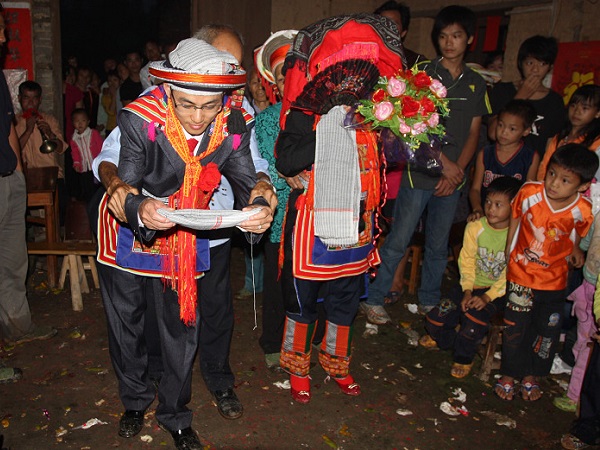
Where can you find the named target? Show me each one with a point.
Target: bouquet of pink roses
(410, 105)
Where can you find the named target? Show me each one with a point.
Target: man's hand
(267, 191)
(293, 182)
(444, 188)
(150, 216)
(115, 187)
(45, 129)
(259, 222)
(30, 124)
(118, 191)
(452, 171)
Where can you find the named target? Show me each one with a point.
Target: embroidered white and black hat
(199, 68)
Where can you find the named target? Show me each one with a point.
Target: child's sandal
(507, 388)
(527, 388)
(570, 442)
(393, 297)
(428, 342)
(565, 404)
(460, 370)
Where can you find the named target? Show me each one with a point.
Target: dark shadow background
(93, 30)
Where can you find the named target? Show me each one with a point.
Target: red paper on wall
(19, 46)
(577, 64)
(492, 32)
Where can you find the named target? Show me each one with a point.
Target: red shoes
(300, 388)
(348, 386)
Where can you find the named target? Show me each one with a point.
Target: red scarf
(198, 185)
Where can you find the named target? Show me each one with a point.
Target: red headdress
(337, 40)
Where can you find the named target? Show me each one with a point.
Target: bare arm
(577, 257)
(453, 173)
(29, 126)
(466, 155)
(492, 121)
(475, 191)
(512, 229)
(535, 163)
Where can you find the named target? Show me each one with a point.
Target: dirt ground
(69, 380)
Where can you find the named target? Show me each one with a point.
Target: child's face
(497, 64)
(535, 67)
(562, 185)
(80, 122)
(497, 209)
(123, 72)
(582, 114)
(510, 129)
(453, 41)
(114, 81)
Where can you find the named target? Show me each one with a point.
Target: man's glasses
(189, 108)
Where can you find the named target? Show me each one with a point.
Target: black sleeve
(500, 95)
(132, 164)
(295, 147)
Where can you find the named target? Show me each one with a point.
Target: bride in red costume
(329, 230)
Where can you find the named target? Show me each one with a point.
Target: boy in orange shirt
(548, 220)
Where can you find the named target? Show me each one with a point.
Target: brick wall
(45, 17)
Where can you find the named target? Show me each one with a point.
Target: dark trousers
(587, 426)
(533, 320)
(340, 299)
(442, 321)
(150, 321)
(126, 300)
(273, 312)
(215, 302)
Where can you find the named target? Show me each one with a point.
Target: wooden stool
(415, 257)
(494, 339)
(72, 263)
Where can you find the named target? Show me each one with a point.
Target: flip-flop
(10, 374)
(508, 388)
(393, 297)
(465, 368)
(428, 342)
(571, 442)
(527, 389)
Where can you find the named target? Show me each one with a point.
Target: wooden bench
(73, 251)
(494, 339)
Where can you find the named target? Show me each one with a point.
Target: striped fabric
(304, 268)
(296, 348)
(108, 232)
(336, 349)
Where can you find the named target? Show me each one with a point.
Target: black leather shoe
(229, 404)
(131, 423)
(186, 439)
